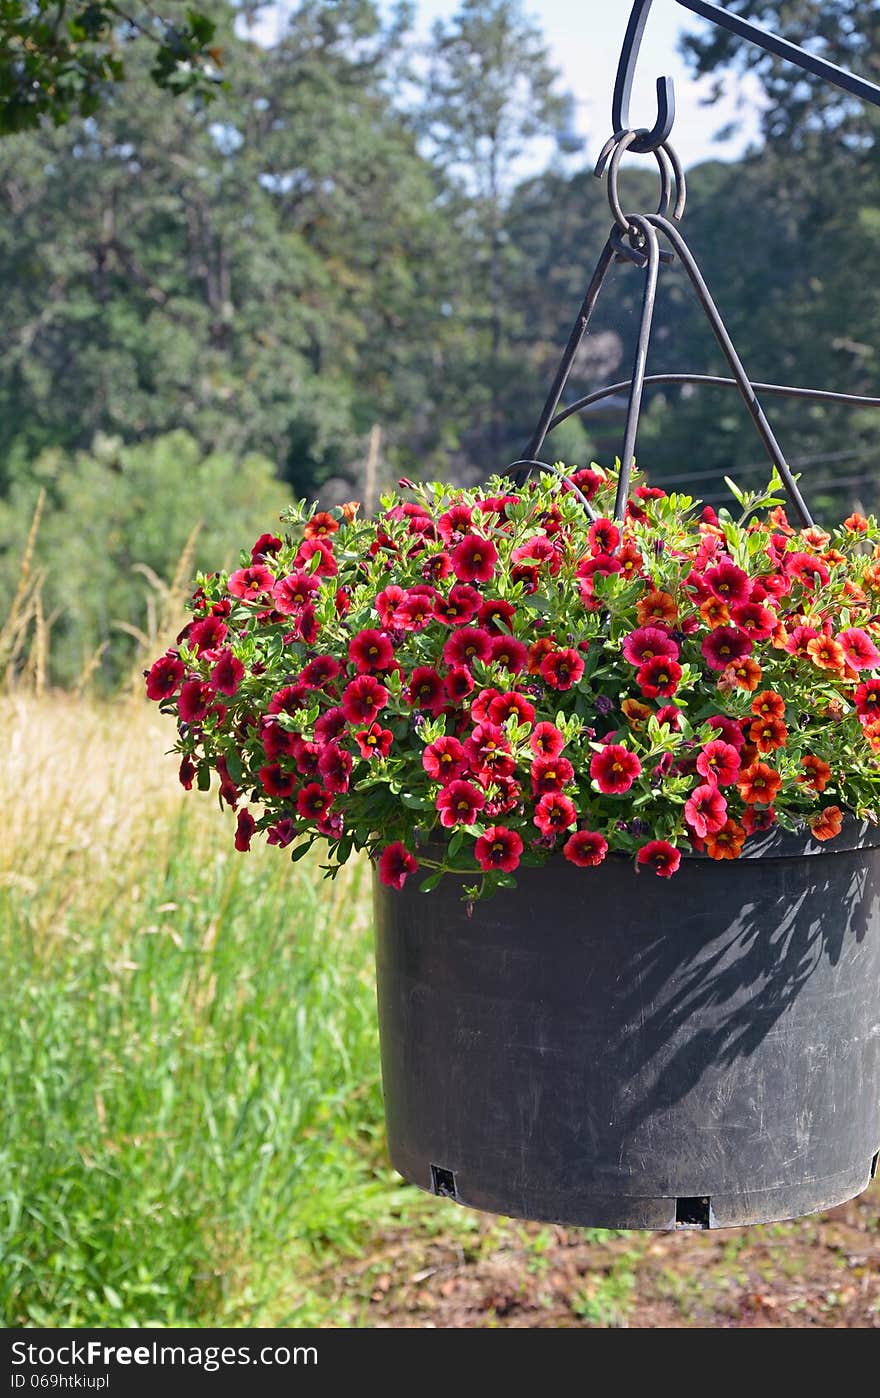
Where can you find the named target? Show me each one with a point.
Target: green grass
(188, 1052)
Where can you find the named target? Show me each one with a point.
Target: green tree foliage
(57, 56)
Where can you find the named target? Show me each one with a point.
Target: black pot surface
(600, 1047)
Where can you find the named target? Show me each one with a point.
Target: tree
(58, 56)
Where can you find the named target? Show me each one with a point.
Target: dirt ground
(821, 1272)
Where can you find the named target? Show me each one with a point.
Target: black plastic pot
(605, 1048)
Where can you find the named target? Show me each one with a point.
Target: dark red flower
(467, 644)
(496, 611)
(308, 549)
(585, 848)
(374, 741)
(282, 833)
(660, 856)
(554, 814)
(370, 651)
(305, 755)
(867, 699)
(510, 654)
(335, 766)
(459, 607)
(474, 559)
(266, 546)
(275, 739)
(251, 582)
(562, 669)
(455, 524)
(458, 684)
(436, 567)
(244, 829)
(729, 583)
(445, 760)
(729, 729)
(313, 802)
(499, 848)
(292, 593)
(488, 751)
(603, 536)
(719, 763)
(458, 803)
(164, 675)
(705, 811)
(426, 690)
(757, 621)
(659, 677)
(725, 646)
(671, 715)
(195, 699)
(320, 671)
(504, 705)
(330, 725)
(755, 821)
(227, 674)
(275, 781)
(187, 772)
(307, 627)
(550, 774)
(363, 699)
(587, 481)
(614, 769)
(546, 740)
(396, 864)
(648, 643)
(206, 634)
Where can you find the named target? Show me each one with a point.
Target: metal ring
(671, 172)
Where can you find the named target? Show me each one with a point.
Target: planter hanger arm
(649, 140)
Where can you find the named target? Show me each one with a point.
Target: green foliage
(58, 56)
(115, 511)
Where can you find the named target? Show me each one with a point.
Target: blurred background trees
(228, 270)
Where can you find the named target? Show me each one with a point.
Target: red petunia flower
(363, 699)
(585, 848)
(727, 842)
(396, 864)
(196, 697)
(309, 549)
(768, 734)
(251, 582)
(757, 621)
(671, 715)
(545, 740)
(858, 649)
(426, 690)
(614, 769)
(335, 766)
(725, 646)
(437, 567)
(562, 669)
(705, 811)
(374, 741)
(306, 756)
(244, 829)
(164, 675)
(307, 627)
(458, 684)
(827, 824)
(729, 583)
(474, 559)
(604, 536)
(292, 593)
(660, 856)
(536, 551)
(320, 671)
(330, 725)
(416, 610)
(504, 705)
(659, 677)
(798, 640)
(313, 802)
(554, 813)
(719, 763)
(445, 760)
(467, 644)
(817, 774)
(458, 803)
(648, 643)
(387, 601)
(550, 774)
(510, 654)
(603, 566)
(496, 611)
(455, 523)
(499, 848)
(481, 705)
(759, 784)
(186, 773)
(227, 673)
(459, 607)
(811, 571)
(488, 751)
(370, 651)
(275, 781)
(756, 820)
(867, 699)
(266, 546)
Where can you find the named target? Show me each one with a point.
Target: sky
(584, 38)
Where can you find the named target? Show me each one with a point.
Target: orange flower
(758, 784)
(350, 509)
(714, 612)
(629, 558)
(320, 525)
(856, 524)
(635, 712)
(816, 538)
(827, 654)
(779, 639)
(768, 704)
(656, 606)
(538, 651)
(768, 734)
(826, 825)
(871, 580)
(817, 773)
(727, 842)
(779, 520)
(746, 674)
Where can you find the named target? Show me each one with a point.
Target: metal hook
(646, 140)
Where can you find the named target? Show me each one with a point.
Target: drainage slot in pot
(692, 1213)
(874, 1165)
(443, 1182)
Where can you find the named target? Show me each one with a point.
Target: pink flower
(859, 649)
(251, 582)
(396, 864)
(705, 811)
(719, 763)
